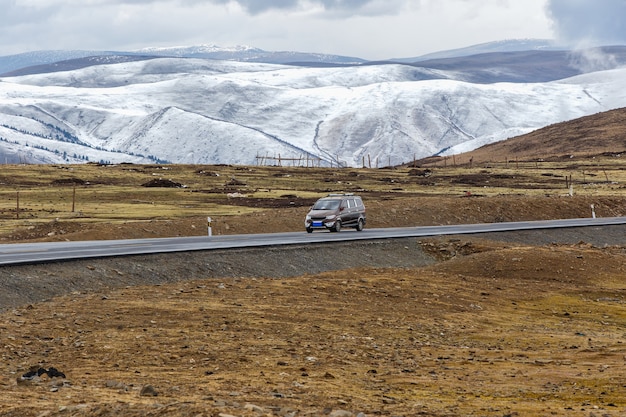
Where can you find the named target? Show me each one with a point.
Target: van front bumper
(319, 224)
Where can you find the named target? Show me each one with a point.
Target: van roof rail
(339, 194)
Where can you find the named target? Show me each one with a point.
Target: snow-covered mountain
(507, 45)
(47, 61)
(249, 54)
(37, 61)
(205, 112)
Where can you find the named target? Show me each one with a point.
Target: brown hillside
(590, 135)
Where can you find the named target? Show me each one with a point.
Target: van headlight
(330, 217)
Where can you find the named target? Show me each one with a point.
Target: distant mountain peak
(197, 49)
(505, 45)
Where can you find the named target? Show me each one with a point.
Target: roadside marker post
(210, 231)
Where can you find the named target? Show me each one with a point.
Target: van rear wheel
(359, 225)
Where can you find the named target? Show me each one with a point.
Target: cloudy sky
(369, 29)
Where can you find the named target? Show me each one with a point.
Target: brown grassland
(487, 328)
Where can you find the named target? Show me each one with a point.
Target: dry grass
(93, 194)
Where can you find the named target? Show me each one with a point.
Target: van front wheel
(336, 227)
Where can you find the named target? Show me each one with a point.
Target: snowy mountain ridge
(247, 53)
(183, 51)
(11, 63)
(207, 112)
(506, 45)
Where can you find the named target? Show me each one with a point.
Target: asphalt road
(29, 253)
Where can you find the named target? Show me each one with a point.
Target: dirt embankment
(21, 285)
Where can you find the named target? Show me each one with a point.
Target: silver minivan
(336, 211)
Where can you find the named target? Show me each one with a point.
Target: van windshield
(326, 205)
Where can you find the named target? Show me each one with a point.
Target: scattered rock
(55, 373)
(253, 408)
(116, 385)
(341, 413)
(148, 391)
(37, 372)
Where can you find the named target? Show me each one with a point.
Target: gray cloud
(260, 6)
(15, 14)
(372, 29)
(589, 21)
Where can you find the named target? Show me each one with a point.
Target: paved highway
(25, 253)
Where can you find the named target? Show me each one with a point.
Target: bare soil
(515, 324)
